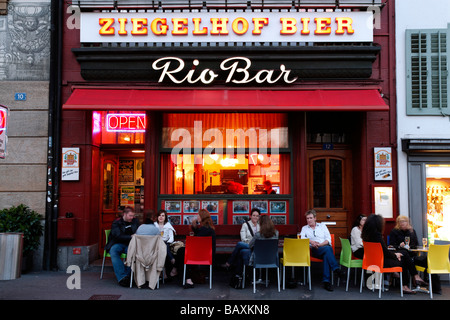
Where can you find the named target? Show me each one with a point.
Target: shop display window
(438, 202)
(224, 153)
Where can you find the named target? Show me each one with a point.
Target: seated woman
(202, 226)
(167, 232)
(397, 237)
(248, 230)
(267, 231)
(356, 241)
(373, 232)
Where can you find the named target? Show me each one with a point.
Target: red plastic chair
(320, 260)
(198, 251)
(373, 260)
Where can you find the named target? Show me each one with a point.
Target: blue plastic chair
(265, 256)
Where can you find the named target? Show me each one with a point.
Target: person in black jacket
(121, 231)
(373, 232)
(202, 226)
(397, 239)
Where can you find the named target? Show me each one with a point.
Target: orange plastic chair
(373, 260)
(320, 260)
(198, 251)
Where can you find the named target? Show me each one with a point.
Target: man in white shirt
(320, 243)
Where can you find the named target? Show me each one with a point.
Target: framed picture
(239, 219)
(172, 206)
(211, 206)
(253, 182)
(174, 219)
(277, 206)
(191, 206)
(278, 219)
(383, 200)
(255, 170)
(241, 207)
(215, 218)
(126, 171)
(187, 218)
(262, 205)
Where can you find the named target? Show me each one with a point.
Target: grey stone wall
(24, 68)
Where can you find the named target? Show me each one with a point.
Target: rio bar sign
(178, 27)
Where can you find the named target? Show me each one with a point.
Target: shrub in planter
(23, 219)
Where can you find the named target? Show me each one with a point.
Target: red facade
(371, 129)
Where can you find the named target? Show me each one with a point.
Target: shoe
(339, 272)
(125, 281)
(409, 291)
(327, 286)
(188, 286)
(421, 283)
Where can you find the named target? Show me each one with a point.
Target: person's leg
(329, 261)
(243, 258)
(235, 254)
(120, 270)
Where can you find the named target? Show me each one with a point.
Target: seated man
(320, 243)
(121, 231)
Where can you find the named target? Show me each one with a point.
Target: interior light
(138, 151)
(227, 162)
(214, 156)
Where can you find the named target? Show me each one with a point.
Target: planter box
(11, 245)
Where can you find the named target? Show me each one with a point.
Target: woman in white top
(356, 241)
(167, 231)
(248, 230)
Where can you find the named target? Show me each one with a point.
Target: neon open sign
(126, 122)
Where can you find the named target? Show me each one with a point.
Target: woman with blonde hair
(397, 239)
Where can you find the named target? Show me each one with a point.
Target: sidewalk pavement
(55, 285)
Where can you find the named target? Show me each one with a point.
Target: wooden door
(108, 195)
(330, 189)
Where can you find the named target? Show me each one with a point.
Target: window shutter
(427, 72)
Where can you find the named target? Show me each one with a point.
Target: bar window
(224, 154)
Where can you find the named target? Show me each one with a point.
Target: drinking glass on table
(407, 242)
(424, 242)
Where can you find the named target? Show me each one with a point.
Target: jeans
(243, 259)
(120, 269)
(329, 261)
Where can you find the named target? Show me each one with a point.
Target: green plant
(23, 219)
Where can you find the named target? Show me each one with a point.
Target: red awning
(226, 100)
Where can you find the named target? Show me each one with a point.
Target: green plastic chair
(123, 256)
(347, 261)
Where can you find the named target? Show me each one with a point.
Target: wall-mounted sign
(205, 26)
(237, 71)
(70, 169)
(3, 136)
(126, 122)
(20, 96)
(383, 199)
(383, 163)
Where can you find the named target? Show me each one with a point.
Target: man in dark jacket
(121, 231)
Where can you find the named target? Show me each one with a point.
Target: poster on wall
(70, 170)
(127, 197)
(3, 137)
(383, 201)
(383, 164)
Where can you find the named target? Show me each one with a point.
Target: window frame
(425, 62)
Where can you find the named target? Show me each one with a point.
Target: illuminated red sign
(2, 119)
(126, 122)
